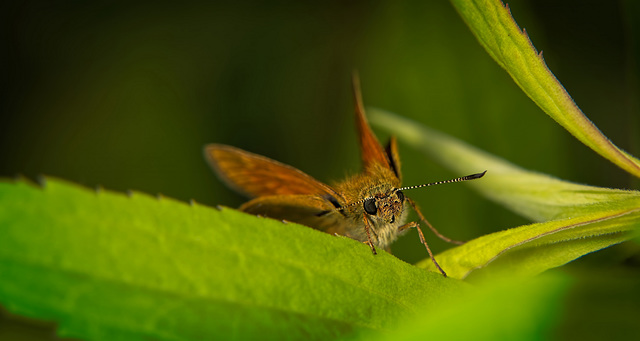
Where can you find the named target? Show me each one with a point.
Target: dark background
(124, 95)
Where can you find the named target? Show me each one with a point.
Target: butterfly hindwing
(310, 210)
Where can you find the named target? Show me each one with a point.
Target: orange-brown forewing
(257, 176)
(370, 148)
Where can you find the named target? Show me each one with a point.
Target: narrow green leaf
(534, 195)
(585, 218)
(109, 266)
(494, 27)
(531, 249)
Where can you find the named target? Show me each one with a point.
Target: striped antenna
(464, 178)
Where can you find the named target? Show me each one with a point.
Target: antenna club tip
(476, 176)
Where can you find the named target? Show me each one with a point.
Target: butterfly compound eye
(370, 206)
(400, 195)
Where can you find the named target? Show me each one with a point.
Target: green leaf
(494, 27)
(107, 266)
(503, 309)
(531, 249)
(585, 218)
(604, 303)
(536, 196)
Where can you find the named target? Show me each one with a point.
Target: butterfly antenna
(464, 178)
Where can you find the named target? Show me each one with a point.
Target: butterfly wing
(257, 176)
(310, 210)
(372, 151)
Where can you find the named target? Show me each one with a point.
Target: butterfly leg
(424, 242)
(366, 229)
(441, 236)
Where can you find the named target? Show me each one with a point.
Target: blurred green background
(124, 95)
